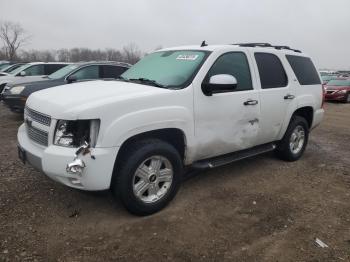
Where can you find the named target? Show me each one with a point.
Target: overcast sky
(320, 28)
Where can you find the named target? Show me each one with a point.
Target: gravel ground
(259, 209)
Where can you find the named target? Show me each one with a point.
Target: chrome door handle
(250, 102)
(289, 96)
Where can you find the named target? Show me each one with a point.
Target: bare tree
(13, 37)
(131, 53)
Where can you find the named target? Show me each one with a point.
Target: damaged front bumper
(87, 172)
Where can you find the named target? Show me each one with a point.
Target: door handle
(289, 96)
(250, 102)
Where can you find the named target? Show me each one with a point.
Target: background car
(327, 78)
(35, 70)
(11, 67)
(15, 96)
(338, 90)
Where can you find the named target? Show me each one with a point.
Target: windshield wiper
(148, 81)
(122, 78)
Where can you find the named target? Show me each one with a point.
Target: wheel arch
(174, 136)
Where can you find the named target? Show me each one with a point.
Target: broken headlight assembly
(76, 133)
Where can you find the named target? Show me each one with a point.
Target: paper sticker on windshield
(187, 57)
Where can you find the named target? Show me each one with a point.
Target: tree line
(14, 37)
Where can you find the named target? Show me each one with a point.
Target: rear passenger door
(277, 95)
(112, 71)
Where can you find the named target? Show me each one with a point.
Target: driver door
(227, 122)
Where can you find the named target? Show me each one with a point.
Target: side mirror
(219, 84)
(71, 79)
(23, 73)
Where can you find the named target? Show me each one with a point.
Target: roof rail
(278, 47)
(254, 44)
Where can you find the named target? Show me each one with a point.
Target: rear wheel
(148, 177)
(294, 142)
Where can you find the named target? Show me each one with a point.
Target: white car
(30, 72)
(199, 106)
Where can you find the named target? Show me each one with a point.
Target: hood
(7, 79)
(41, 84)
(27, 79)
(69, 101)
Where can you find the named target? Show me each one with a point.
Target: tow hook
(77, 166)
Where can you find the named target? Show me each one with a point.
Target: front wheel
(148, 177)
(293, 144)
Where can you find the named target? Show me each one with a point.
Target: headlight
(76, 133)
(17, 89)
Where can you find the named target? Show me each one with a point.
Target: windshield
(63, 72)
(166, 68)
(3, 66)
(19, 69)
(339, 82)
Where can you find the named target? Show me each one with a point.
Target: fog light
(76, 167)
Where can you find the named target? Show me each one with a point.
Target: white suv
(199, 106)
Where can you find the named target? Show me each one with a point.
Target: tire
(285, 147)
(347, 98)
(131, 180)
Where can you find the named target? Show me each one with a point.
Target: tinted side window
(52, 68)
(35, 70)
(89, 72)
(304, 70)
(235, 64)
(271, 71)
(110, 71)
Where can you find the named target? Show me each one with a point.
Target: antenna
(204, 44)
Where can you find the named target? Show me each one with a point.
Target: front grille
(37, 135)
(38, 117)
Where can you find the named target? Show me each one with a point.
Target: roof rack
(255, 44)
(278, 47)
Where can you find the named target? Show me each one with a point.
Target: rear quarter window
(304, 70)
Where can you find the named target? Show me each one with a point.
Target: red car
(338, 90)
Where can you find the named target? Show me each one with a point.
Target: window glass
(235, 64)
(339, 82)
(64, 71)
(51, 68)
(35, 70)
(111, 71)
(89, 72)
(169, 68)
(271, 71)
(20, 69)
(304, 70)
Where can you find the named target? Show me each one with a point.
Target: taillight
(323, 94)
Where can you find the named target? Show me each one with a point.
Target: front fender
(145, 120)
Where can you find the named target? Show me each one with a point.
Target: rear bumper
(15, 102)
(318, 117)
(53, 160)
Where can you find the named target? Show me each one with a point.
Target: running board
(232, 157)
